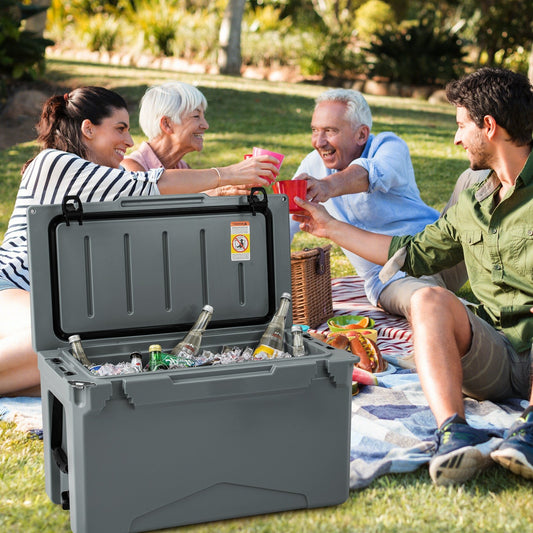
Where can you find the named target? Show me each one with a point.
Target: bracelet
(219, 176)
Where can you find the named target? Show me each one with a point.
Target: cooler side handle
(182, 386)
(56, 436)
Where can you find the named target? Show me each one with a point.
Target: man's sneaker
(516, 451)
(462, 451)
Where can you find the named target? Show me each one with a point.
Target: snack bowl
(345, 323)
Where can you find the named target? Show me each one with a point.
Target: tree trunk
(229, 52)
(530, 69)
(37, 23)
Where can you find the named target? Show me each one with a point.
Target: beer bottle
(298, 348)
(190, 345)
(272, 340)
(78, 351)
(156, 358)
(136, 361)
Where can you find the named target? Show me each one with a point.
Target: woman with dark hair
(84, 136)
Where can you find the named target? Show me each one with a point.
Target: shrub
(99, 32)
(158, 23)
(422, 54)
(21, 51)
(197, 35)
(518, 60)
(373, 16)
(334, 57)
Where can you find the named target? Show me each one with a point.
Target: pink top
(147, 158)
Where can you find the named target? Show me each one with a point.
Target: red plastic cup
(291, 188)
(263, 151)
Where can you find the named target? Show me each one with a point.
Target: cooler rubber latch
(256, 201)
(72, 209)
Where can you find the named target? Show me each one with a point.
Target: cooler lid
(148, 265)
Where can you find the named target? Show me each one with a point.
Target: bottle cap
(74, 338)
(154, 348)
(207, 308)
(286, 295)
(296, 327)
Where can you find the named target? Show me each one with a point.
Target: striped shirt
(51, 176)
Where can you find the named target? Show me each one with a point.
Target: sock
(454, 419)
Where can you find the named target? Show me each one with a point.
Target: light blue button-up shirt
(391, 206)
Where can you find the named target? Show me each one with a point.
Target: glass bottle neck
(202, 321)
(283, 308)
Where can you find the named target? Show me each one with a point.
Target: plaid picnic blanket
(392, 425)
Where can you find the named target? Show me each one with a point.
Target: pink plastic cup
(291, 188)
(263, 151)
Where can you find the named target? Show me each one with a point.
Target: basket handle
(320, 262)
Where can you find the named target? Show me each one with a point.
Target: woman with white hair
(172, 116)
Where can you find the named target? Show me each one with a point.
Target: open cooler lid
(147, 265)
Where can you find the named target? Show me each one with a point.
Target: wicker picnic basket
(311, 286)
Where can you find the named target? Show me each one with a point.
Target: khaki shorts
(395, 298)
(492, 369)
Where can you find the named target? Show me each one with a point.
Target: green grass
(244, 113)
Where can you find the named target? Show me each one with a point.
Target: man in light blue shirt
(367, 181)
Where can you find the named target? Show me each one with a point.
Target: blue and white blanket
(393, 427)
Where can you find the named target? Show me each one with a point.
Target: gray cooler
(153, 450)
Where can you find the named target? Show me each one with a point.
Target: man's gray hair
(357, 109)
(173, 99)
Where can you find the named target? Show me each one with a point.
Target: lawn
(243, 114)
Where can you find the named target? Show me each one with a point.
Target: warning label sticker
(240, 241)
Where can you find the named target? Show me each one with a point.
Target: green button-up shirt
(496, 243)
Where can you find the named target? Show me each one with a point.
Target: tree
(337, 15)
(530, 69)
(229, 53)
(503, 26)
(21, 51)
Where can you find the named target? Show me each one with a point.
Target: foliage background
(326, 38)
(412, 42)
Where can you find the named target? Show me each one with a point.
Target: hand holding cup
(273, 155)
(291, 188)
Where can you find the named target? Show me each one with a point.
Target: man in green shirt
(483, 351)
